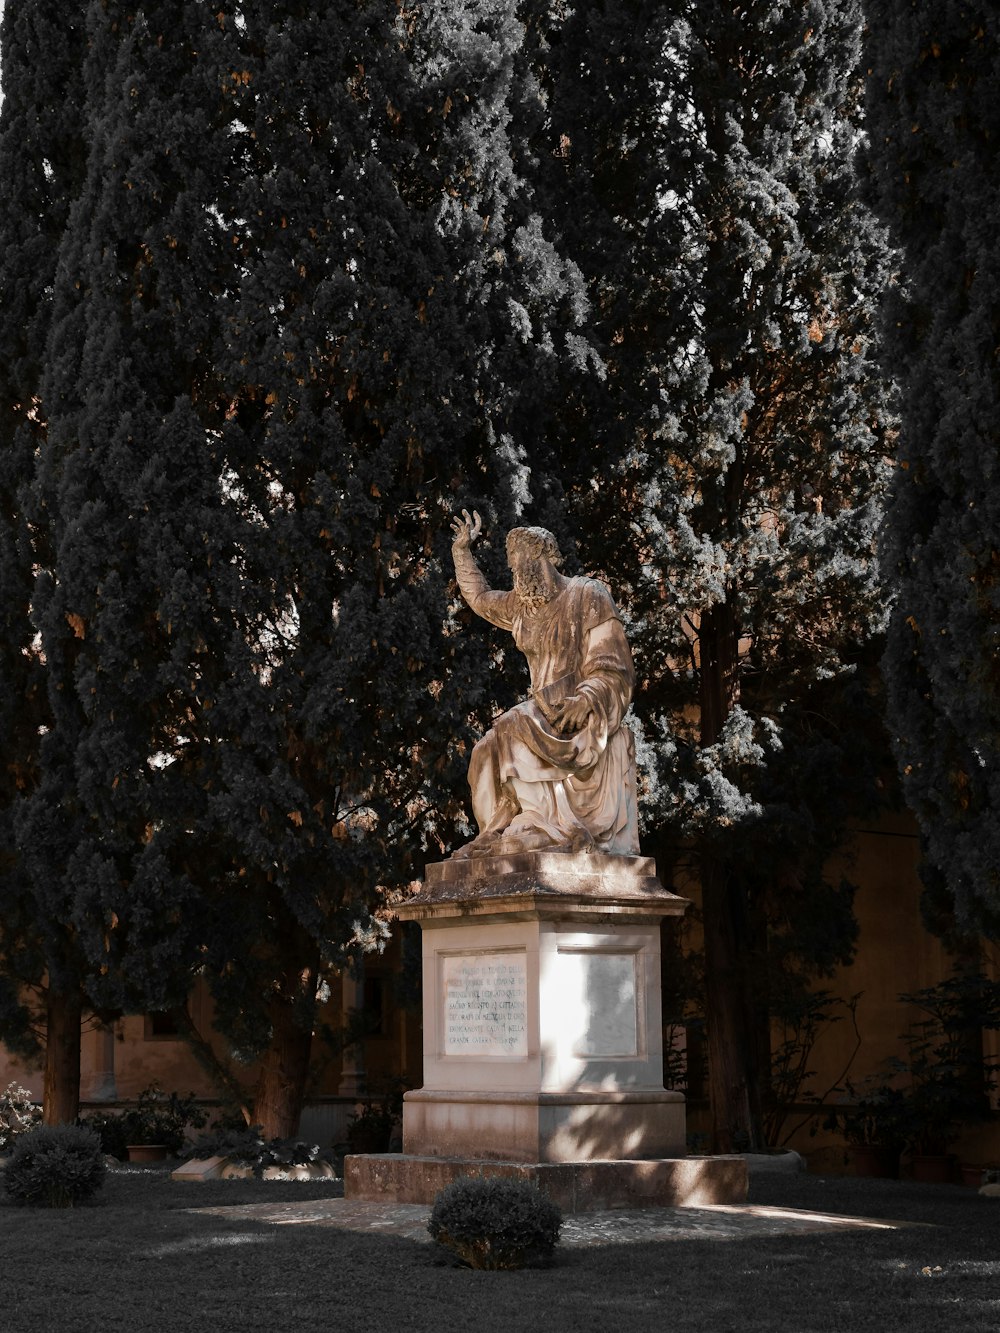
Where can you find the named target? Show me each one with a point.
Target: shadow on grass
(141, 1260)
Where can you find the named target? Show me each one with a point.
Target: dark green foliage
(944, 1083)
(495, 1223)
(878, 1117)
(156, 1117)
(371, 1129)
(758, 491)
(947, 1080)
(799, 1018)
(934, 154)
(710, 197)
(316, 284)
(248, 1146)
(109, 1127)
(125, 497)
(300, 306)
(42, 165)
(55, 1166)
(161, 1118)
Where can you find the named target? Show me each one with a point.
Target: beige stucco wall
(141, 1058)
(895, 954)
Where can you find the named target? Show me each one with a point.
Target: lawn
(138, 1260)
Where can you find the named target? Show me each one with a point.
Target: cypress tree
(195, 832)
(322, 781)
(378, 357)
(303, 308)
(42, 163)
(733, 271)
(934, 130)
(124, 499)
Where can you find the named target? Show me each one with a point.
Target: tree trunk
(281, 1087)
(61, 1098)
(733, 1054)
(231, 1091)
(733, 1080)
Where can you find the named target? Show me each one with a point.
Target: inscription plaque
(599, 997)
(485, 1004)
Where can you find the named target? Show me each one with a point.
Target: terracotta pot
(873, 1160)
(146, 1152)
(936, 1170)
(971, 1175)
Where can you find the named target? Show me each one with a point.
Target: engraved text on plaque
(485, 1004)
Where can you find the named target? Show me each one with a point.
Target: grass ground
(138, 1260)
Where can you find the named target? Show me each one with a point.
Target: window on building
(160, 1026)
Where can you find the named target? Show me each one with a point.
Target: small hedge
(55, 1166)
(495, 1223)
(248, 1147)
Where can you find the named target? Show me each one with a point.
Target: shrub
(247, 1146)
(156, 1117)
(159, 1117)
(55, 1166)
(109, 1127)
(371, 1129)
(495, 1223)
(18, 1114)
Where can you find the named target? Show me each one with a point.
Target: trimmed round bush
(495, 1222)
(55, 1166)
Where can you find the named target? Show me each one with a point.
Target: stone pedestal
(542, 1037)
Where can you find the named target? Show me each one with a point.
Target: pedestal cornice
(539, 885)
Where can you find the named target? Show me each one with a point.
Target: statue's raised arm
(493, 606)
(556, 772)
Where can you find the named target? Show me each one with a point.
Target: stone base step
(577, 1187)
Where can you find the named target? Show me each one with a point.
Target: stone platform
(621, 1226)
(577, 1187)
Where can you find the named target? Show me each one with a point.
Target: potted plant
(154, 1127)
(875, 1126)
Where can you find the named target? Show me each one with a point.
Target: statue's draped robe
(574, 789)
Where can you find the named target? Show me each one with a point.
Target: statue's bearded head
(529, 552)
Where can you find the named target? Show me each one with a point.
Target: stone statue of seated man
(556, 772)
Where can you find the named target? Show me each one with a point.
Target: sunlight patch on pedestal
(597, 1002)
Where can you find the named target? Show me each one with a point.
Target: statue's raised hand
(466, 529)
(571, 714)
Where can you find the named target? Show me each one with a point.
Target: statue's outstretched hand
(466, 529)
(571, 715)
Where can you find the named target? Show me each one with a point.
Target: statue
(556, 772)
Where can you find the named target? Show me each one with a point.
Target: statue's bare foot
(581, 841)
(487, 844)
(528, 839)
